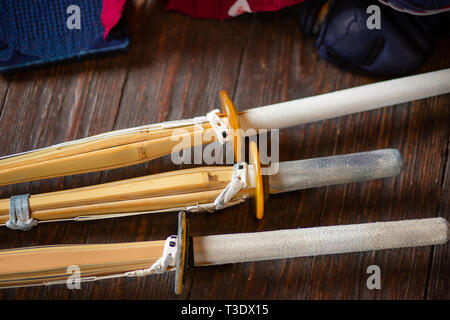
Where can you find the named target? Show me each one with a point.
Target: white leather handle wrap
(348, 101)
(282, 244)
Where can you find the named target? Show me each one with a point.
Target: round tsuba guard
(259, 185)
(233, 117)
(182, 257)
(238, 140)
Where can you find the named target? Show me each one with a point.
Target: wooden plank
(174, 70)
(437, 287)
(439, 271)
(4, 84)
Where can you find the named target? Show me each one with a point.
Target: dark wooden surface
(174, 70)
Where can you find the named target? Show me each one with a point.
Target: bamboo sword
(49, 264)
(198, 189)
(140, 144)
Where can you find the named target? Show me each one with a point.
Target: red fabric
(111, 14)
(224, 9)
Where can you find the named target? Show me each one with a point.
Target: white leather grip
(282, 244)
(348, 101)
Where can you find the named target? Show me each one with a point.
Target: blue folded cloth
(34, 32)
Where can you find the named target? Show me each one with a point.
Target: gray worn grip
(318, 172)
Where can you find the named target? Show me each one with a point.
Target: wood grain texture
(174, 69)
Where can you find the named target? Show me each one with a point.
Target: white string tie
(237, 183)
(198, 121)
(19, 213)
(219, 125)
(167, 260)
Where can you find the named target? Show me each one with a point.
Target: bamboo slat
(42, 264)
(167, 190)
(108, 152)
